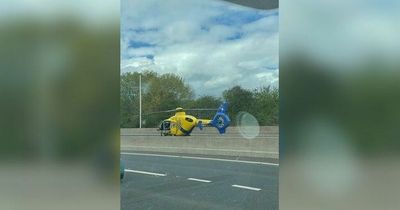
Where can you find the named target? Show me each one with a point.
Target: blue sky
(212, 44)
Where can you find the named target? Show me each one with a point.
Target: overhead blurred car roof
(258, 4)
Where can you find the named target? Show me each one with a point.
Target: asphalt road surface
(186, 182)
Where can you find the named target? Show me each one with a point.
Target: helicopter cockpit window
(189, 119)
(165, 125)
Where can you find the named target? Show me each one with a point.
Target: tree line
(168, 91)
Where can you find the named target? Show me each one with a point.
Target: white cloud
(185, 38)
(342, 36)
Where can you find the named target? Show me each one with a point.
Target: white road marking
(144, 172)
(200, 158)
(246, 187)
(199, 180)
(149, 154)
(208, 149)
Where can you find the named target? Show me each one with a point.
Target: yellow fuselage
(182, 124)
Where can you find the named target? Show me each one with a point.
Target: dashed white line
(191, 179)
(200, 158)
(144, 172)
(229, 160)
(199, 180)
(246, 187)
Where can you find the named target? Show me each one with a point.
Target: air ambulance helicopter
(182, 124)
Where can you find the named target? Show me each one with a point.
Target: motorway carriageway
(181, 182)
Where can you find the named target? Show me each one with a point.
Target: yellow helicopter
(182, 124)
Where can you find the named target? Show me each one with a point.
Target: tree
(129, 105)
(239, 99)
(262, 103)
(159, 92)
(205, 102)
(208, 102)
(266, 105)
(169, 91)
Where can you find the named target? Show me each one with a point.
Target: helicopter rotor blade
(166, 111)
(174, 110)
(159, 112)
(200, 109)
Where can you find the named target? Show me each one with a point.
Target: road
(188, 182)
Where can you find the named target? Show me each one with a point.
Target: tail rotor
(221, 120)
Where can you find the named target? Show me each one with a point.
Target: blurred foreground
(340, 104)
(59, 89)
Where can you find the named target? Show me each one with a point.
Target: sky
(213, 45)
(341, 36)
